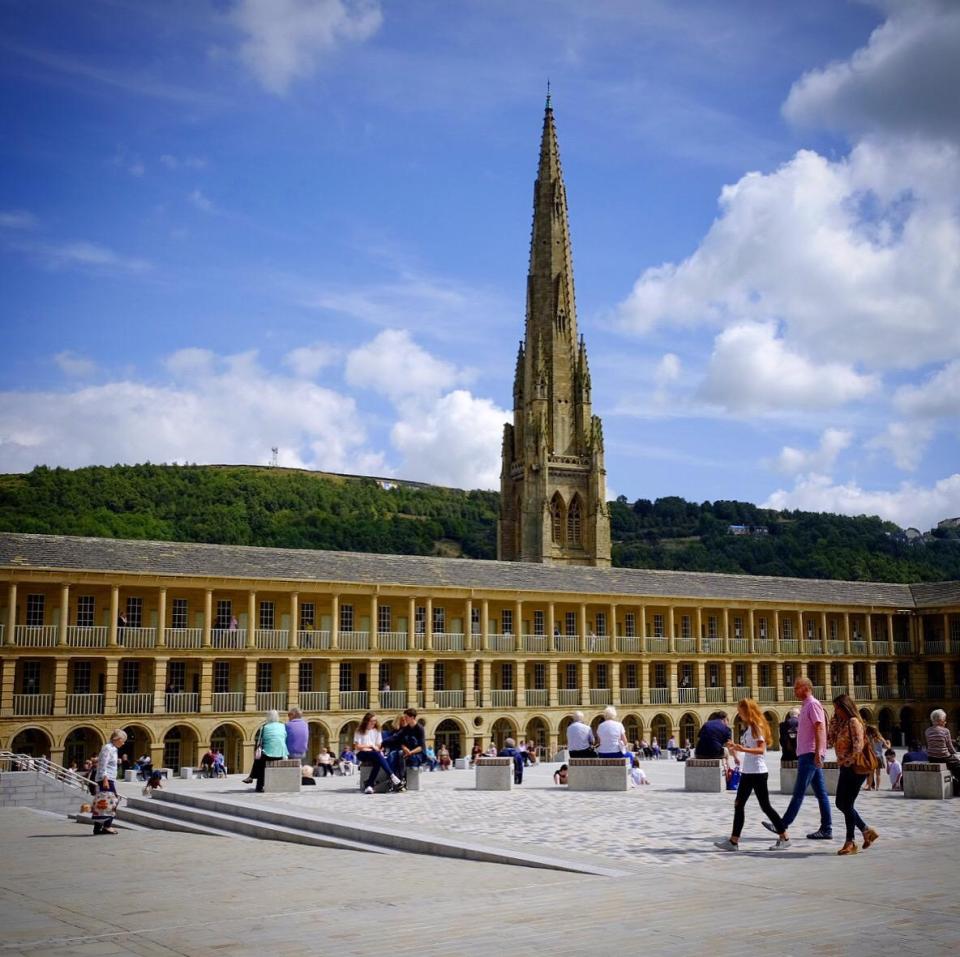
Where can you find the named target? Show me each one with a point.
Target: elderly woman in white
(107, 777)
(940, 746)
(613, 737)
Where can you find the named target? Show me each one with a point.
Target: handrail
(12, 761)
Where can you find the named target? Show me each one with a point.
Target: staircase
(26, 781)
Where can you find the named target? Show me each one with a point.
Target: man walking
(811, 749)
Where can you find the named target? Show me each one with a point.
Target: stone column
(553, 683)
(583, 631)
(643, 622)
(872, 680)
(59, 686)
(294, 642)
(518, 624)
(373, 642)
(468, 642)
(162, 618)
(726, 630)
(293, 682)
(551, 625)
(11, 618)
(751, 628)
(373, 683)
(207, 639)
(584, 683)
(869, 624)
(428, 629)
(520, 682)
(671, 628)
(701, 681)
(333, 684)
(469, 692)
(412, 624)
(485, 685)
(672, 673)
(335, 637)
(846, 633)
(776, 631)
(890, 632)
(7, 689)
(728, 682)
(160, 685)
(612, 627)
(206, 685)
(778, 676)
(412, 683)
(114, 612)
(698, 628)
(485, 634)
(615, 682)
(111, 669)
(848, 674)
(64, 616)
(252, 619)
(754, 679)
(823, 629)
(645, 681)
(250, 685)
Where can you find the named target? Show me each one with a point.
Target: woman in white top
(753, 777)
(366, 742)
(612, 737)
(107, 777)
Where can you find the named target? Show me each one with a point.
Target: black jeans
(584, 753)
(100, 826)
(748, 784)
(848, 787)
(260, 768)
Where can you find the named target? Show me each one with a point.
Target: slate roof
(67, 553)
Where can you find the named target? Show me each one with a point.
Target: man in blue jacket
(406, 745)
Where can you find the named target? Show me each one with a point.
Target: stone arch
(538, 731)
(33, 741)
(774, 721)
(908, 724)
(633, 726)
(575, 520)
(450, 732)
(866, 715)
(80, 743)
(885, 721)
(319, 737)
(558, 518)
(180, 743)
(139, 741)
(565, 723)
(689, 728)
(228, 738)
(502, 729)
(661, 727)
(345, 735)
(596, 721)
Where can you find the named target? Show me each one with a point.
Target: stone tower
(552, 484)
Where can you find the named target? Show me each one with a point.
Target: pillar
(411, 683)
(848, 677)
(643, 621)
(333, 684)
(754, 679)
(428, 675)
(520, 682)
(160, 685)
(334, 639)
(823, 629)
(293, 682)
(645, 681)
(485, 632)
(584, 682)
(162, 618)
(468, 625)
(778, 679)
(612, 626)
(776, 631)
(701, 681)
(206, 640)
(11, 617)
(469, 692)
(672, 677)
(890, 632)
(110, 684)
(412, 625)
(59, 686)
(294, 640)
(552, 681)
(206, 684)
(671, 628)
(869, 623)
(518, 623)
(250, 685)
(751, 627)
(485, 684)
(728, 681)
(114, 612)
(698, 627)
(583, 631)
(872, 680)
(615, 682)
(428, 629)
(551, 625)
(252, 619)
(846, 633)
(64, 615)
(7, 688)
(726, 630)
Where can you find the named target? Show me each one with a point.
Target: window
(630, 676)
(630, 625)
(788, 675)
(221, 677)
(601, 674)
(787, 629)
(539, 676)
(476, 676)
(762, 627)
(85, 611)
(224, 614)
(81, 677)
(658, 626)
(384, 618)
(601, 621)
(475, 621)
(176, 677)
(419, 676)
(308, 612)
(130, 677)
(134, 612)
(741, 675)
(305, 676)
(179, 614)
(439, 621)
(833, 629)
(264, 676)
(765, 676)
(506, 676)
(954, 629)
(737, 627)
(685, 629)
(556, 519)
(570, 623)
(573, 522)
(538, 622)
(835, 674)
(439, 676)
(346, 676)
(31, 677)
(856, 629)
(35, 610)
(420, 620)
(714, 672)
(267, 615)
(346, 617)
(570, 677)
(712, 631)
(811, 630)
(660, 675)
(383, 674)
(506, 621)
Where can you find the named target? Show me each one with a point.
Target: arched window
(556, 519)
(574, 522)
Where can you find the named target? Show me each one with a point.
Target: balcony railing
(314, 701)
(819, 692)
(503, 699)
(272, 639)
(601, 696)
(861, 692)
(763, 646)
(658, 645)
(659, 696)
(858, 647)
(29, 705)
(887, 691)
(354, 700)
(271, 701)
(313, 640)
(689, 695)
(227, 701)
(392, 640)
(568, 697)
(419, 641)
(139, 702)
(901, 648)
(137, 637)
(183, 637)
(35, 636)
(630, 644)
(182, 702)
(881, 647)
(716, 695)
(393, 700)
(936, 691)
(450, 699)
(87, 636)
(448, 641)
(631, 696)
(599, 644)
(836, 647)
(838, 690)
(789, 646)
(354, 641)
(566, 644)
(935, 646)
(685, 646)
(535, 644)
(813, 646)
(766, 693)
(84, 704)
(739, 646)
(228, 637)
(506, 642)
(740, 691)
(711, 646)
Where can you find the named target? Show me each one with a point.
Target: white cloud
(752, 370)
(393, 365)
(858, 259)
(668, 370)
(906, 441)
(903, 81)
(73, 364)
(821, 459)
(17, 219)
(307, 361)
(938, 396)
(908, 505)
(88, 255)
(172, 162)
(215, 409)
(200, 201)
(286, 39)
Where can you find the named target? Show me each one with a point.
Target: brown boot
(869, 836)
(848, 848)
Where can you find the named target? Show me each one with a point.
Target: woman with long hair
(879, 744)
(753, 777)
(367, 741)
(846, 735)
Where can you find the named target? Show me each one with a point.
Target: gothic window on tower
(556, 519)
(573, 522)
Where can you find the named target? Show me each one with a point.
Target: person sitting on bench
(406, 745)
(367, 742)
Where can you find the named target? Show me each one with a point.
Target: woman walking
(846, 736)
(753, 777)
(107, 778)
(367, 743)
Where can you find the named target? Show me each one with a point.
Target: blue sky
(235, 224)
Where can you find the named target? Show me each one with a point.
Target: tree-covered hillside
(292, 509)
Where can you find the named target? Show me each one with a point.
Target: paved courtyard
(150, 892)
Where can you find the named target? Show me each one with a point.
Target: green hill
(286, 508)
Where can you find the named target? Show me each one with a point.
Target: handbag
(866, 761)
(258, 750)
(104, 805)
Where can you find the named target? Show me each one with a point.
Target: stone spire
(553, 506)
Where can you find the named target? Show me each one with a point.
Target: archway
(633, 726)
(562, 732)
(908, 724)
(537, 732)
(32, 741)
(180, 748)
(228, 740)
(738, 727)
(345, 737)
(885, 719)
(319, 738)
(138, 742)
(689, 726)
(866, 715)
(450, 734)
(502, 729)
(774, 721)
(596, 722)
(80, 744)
(661, 728)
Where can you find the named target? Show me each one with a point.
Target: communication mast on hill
(274, 459)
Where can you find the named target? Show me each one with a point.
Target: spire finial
(548, 93)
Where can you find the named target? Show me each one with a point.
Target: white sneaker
(726, 845)
(394, 779)
(368, 791)
(781, 845)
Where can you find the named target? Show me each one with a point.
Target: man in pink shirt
(811, 749)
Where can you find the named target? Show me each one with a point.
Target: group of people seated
(212, 764)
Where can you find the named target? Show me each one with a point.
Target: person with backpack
(857, 760)
(788, 735)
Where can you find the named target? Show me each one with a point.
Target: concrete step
(214, 820)
(126, 825)
(143, 820)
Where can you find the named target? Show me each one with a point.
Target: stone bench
(374, 776)
(788, 777)
(704, 775)
(282, 777)
(598, 774)
(494, 774)
(930, 781)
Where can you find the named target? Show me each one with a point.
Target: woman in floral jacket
(846, 736)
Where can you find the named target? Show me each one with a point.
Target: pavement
(65, 892)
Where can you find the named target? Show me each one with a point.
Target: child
(894, 769)
(638, 776)
(560, 775)
(153, 784)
